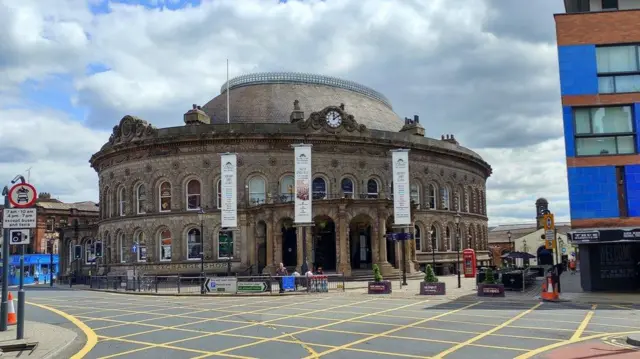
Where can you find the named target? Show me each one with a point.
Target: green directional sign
(252, 287)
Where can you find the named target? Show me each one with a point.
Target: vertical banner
(303, 184)
(401, 188)
(229, 190)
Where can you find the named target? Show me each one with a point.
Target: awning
(604, 235)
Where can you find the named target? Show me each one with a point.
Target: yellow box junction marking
(584, 323)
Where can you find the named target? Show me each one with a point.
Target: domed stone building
(160, 188)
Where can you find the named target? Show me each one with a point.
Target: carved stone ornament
(426, 170)
(111, 175)
(272, 161)
(206, 163)
(175, 165)
(385, 166)
(441, 172)
(131, 129)
(148, 168)
(127, 172)
(240, 161)
(465, 177)
(335, 163)
(317, 121)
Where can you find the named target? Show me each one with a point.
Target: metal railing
(176, 284)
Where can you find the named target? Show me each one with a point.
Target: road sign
(20, 236)
(22, 195)
(549, 230)
(564, 250)
(252, 287)
(19, 218)
(222, 284)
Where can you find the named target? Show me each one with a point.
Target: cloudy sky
(484, 70)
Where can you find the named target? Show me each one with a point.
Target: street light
(201, 214)
(456, 219)
(433, 249)
(509, 236)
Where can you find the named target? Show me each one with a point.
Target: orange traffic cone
(549, 289)
(12, 319)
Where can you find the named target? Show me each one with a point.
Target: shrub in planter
(431, 285)
(490, 287)
(378, 286)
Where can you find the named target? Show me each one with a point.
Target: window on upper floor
(609, 4)
(604, 131)
(618, 68)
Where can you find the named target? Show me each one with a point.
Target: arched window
(225, 245)
(194, 244)
(165, 245)
(446, 197)
(417, 235)
(89, 252)
(165, 196)
(447, 237)
(122, 201)
(140, 247)
(257, 191)
(415, 194)
(141, 199)
(122, 248)
(193, 195)
(373, 189)
(346, 185)
(219, 194)
(431, 193)
(287, 188)
(319, 188)
(434, 238)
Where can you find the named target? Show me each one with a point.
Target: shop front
(609, 259)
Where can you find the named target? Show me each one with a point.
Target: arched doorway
(261, 246)
(545, 256)
(360, 242)
(324, 243)
(391, 245)
(289, 243)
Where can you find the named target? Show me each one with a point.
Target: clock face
(334, 119)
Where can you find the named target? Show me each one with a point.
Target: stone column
(252, 241)
(342, 238)
(299, 254)
(269, 241)
(277, 250)
(385, 266)
(247, 239)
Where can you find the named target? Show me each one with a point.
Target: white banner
(401, 188)
(303, 184)
(229, 190)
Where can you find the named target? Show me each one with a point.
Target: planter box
(490, 290)
(383, 287)
(437, 288)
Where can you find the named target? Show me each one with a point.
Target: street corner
(614, 347)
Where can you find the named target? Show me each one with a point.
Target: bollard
(20, 328)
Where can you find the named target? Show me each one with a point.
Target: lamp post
(509, 236)
(456, 219)
(201, 214)
(433, 249)
(51, 264)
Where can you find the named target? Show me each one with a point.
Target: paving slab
(49, 345)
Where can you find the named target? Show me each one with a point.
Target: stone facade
(160, 187)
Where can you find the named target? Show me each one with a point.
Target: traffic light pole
(5, 266)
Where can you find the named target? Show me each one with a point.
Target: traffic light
(98, 249)
(77, 252)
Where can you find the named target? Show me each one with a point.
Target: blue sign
(289, 283)
(564, 250)
(399, 236)
(573, 254)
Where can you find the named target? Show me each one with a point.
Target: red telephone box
(469, 263)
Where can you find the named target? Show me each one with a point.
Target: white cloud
(467, 68)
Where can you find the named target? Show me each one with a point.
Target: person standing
(281, 272)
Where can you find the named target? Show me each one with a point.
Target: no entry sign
(22, 195)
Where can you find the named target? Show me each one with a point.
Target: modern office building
(599, 63)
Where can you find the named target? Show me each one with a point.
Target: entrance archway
(261, 246)
(545, 256)
(289, 243)
(391, 245)
(324, 243)
(360, 242)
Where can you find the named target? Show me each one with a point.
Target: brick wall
(608, 27)
(593, 192)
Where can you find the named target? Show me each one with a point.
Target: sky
(483, 70)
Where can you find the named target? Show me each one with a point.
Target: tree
(429, 275)
(377, 277)
(489, 278)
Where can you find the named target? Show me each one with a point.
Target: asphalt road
(328, 326)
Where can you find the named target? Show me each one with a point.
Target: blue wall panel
(632, 181)
(569, 139)
(593, 192)
(578, 71)
(636, 118)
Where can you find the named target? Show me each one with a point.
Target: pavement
(48, 346)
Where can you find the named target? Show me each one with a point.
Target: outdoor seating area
(513, 279)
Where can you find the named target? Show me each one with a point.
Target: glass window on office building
(618, 68)
(604, 131)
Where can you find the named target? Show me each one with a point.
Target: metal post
(404, 259)
(556, 249)
(202, 256)
(21, 297)
(5, 267)
(305, 267)
(458, 253)
(433, 251)
(51, 266)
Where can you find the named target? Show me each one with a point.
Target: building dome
(269, 97)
